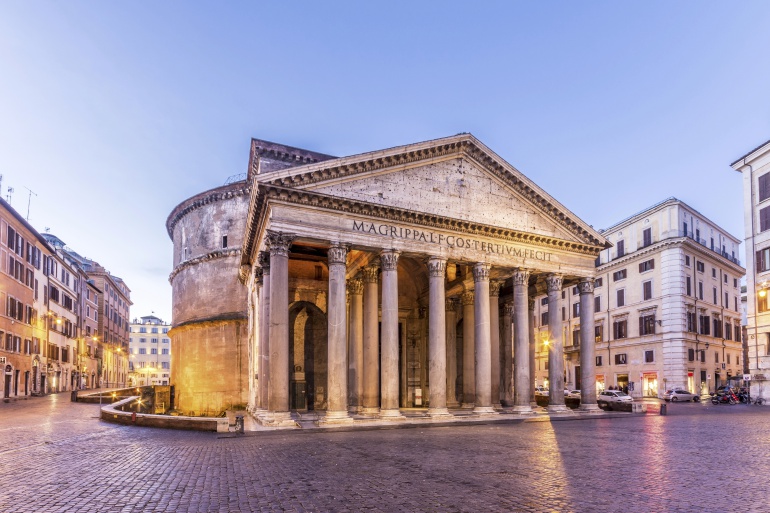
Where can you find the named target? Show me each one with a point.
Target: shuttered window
(764, 187)
(764, 219)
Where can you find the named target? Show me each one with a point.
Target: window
(700, 266)
(544, 319)
(691, 322)
(687, 260)
(142, 350)
(647, 325)
(154, 340)
(717, 328)
(703, 356)
(620, 359)
(764, 187)
(164, 351)
(598, 361)
(764, 219)
(619, 329)
(165, 341)
(689, 286)
(598, 333)
(154, 350)
(224, 241)
(544, 301)
(598, 282)
(728, 358)
(685, 229)
(619, 275)
(575, 291)
(649, 356)
(647, 237)
(164, 365)
(647, 290)
(621, 297)
(715, 296)
(713, 272)
(726, 304)
(621, 248)
(738, 337)
(716, 356)
(705, 325)
(154, 330)
(597, 303)
(575, 310)
(576, 337)
(735, 282)
(647, 265)
(700, 290)
(725, 277)
(142, 340)
(691, 354)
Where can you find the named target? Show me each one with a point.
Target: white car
(541, 391)
(614, 396)
(572, 394)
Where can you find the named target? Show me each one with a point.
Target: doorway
(308, 357)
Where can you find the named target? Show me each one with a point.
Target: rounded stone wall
(209, 337)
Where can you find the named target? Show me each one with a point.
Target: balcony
(702, 242)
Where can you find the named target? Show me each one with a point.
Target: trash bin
(239, 423)
(662, 409)
(74, 396)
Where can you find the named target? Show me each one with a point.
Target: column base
(335, 417)
(484, 410)
(394, 414)
(370, 411)
(467, 405)
(277, 419)
(558, 408)
(497, 406)
(590, 408)
(439, 414)
(522, 409)
(454, 404)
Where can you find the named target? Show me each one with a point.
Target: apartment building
(150, 352)
(755, 167)
(667, 305)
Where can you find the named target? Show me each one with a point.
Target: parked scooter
(726, 398)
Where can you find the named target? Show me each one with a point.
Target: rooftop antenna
(1, 182)
(29, 201)
(10, 193)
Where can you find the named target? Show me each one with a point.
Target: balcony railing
(703, 243)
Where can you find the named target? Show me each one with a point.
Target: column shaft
(390, 342)
(587, 346)
(264, 331)
(531, 322)
(494, 339)
(437, 338)
(521, 324)
(337, 376)
(371, 342)
(451, 354)
(555, 346)
(507, 360)
(469, 348)
(356, 347)
(483, 403)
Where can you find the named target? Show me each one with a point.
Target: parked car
(678, 394)
(614, 396)
(725, 389)
(541, 391)
(573, 394)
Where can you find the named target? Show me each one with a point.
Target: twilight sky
(115, 112)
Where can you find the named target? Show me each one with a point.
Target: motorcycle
(727, 398)
(744, 397)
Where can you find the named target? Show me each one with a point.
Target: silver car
(614, 396)
(678, 394)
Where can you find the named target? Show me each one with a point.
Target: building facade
(667, 307)
(150, 352)
(428, 241)
(755, 167)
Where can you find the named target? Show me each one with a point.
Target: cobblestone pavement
(57, 456)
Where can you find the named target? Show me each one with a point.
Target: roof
(749, 153)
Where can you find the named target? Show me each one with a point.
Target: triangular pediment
(455, 178)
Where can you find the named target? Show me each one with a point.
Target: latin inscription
(453, 241)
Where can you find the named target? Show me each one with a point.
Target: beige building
(667, 308)
(755, 167)
(427, 241)
(150, 352)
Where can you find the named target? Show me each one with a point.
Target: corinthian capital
(356, 286)
(279, 242)
(337, 254)
(481, 272)
(554, 282)
(494, 288)
(521, 277)
(389, 259)
(508, 308)
(437, 267)
(451, 304)
(586, 286)
(467, 298)
(258, 273)
(264, 261)
(369, 273)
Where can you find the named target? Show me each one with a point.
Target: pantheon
(362, 286)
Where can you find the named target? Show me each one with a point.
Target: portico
(427, 242)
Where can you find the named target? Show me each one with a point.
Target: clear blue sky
(114, 112)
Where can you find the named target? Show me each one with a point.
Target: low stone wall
(110, 413)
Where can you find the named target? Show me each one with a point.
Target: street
(57, 456)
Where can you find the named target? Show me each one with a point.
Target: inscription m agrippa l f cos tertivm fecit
(452, 241)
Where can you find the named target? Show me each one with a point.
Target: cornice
(462, 145)
(203, 199)
(264, 193)
(214, 255)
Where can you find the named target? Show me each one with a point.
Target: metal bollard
(662, 409)
(239, 423)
